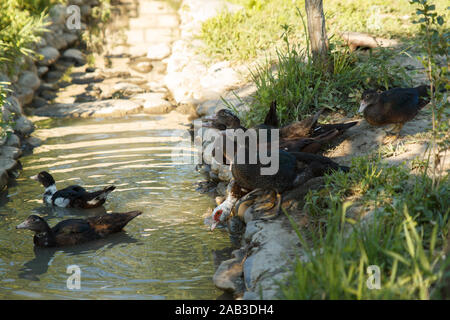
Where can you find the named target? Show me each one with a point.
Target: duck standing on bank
(395, 106)
(300, 136)
(294, 169)
(72, 196)
(75, 231)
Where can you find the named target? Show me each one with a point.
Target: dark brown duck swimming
(396, 106)
(75, 231)
(72, 196)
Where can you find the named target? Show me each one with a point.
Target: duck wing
(65, 197)
(86, 200)
(326, 128)
(71, 226)
(300, 129)
(111, 223)
(400, 104)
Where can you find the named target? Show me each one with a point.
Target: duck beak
(362, 106)
(23, 225)
(214, 225)
(34, 178)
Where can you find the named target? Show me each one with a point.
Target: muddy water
(166, 253)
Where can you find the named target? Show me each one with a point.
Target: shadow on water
(43, 256)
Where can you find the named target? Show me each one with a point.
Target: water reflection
(166, 253)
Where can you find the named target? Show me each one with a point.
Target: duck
(75, 231)
(294, 169)
(395, 106)
(300, 136)
(70, 197)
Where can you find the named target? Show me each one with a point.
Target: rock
(50, 55)
(249, 295)
(53, 76)
(96, 109)
(70, 38)
(75, 55)
(56, 40)
(86, 78)
(42, 70)
(154, 103)
(126, 89)
(13, 105)
(228, 276)
(10, 152)
(13, 141)
(38, 102)
(188, 108)
(23, 126)
(58, 13)
(30, 80)
(142, 66)
(25, 95)
(47, 95)
(33, 142)
(158, 51)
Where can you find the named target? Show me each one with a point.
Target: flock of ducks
(298, 162)
(298, 144)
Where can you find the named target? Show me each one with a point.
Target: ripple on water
(164, 253)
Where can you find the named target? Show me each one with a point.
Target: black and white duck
(75, 231)
(72, 196)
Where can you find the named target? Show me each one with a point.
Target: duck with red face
(222, 212)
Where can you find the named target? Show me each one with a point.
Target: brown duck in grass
(395, 106)
(75, 231)
(300, 136)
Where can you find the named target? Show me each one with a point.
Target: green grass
(300, 88)
(243, 35)
(405, 237)
(19, 30)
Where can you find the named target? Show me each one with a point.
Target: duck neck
(49, 192)
(45, 238)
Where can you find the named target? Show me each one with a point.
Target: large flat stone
(96, 109)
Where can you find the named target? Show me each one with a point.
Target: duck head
(34, 223)
(44, 178)
(368, 98)
(222, 212)
(222, 120)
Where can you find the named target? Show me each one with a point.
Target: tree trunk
(317, 32)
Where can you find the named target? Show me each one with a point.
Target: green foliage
(36, 7)
(95, 36)
(300, 87)
(5, 124)
(435, 44)
(404, 235)
(19, 30)
(244, 34)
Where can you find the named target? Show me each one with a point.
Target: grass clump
(404, 235)
(243, 34)
(300, 87)
(19, 30)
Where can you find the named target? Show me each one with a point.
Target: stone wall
(26, 82)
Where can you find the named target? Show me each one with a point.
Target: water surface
(166, 253)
